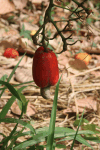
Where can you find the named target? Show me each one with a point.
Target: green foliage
(59, 146)
(52, 13)
(41, 134)
(94, 44)
(6, 30)
(23, 103)
(88, 131)
(98, 5)
(10, 18)
(50, 138)
(49, 33)
(3, 78)
(38, 135)
(64, 4)
(79, 23)
(41, 20)
(63, 18)
(49, 46)
(89, 20)
(25, 33)
(76, 123)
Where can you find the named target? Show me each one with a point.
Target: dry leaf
(96, 56)
(78, 64)
(20, 4)
(29, 26)
(4, 71)
(72, 70)
(39, 2)
(31, 110)
(96, 74)
(62, 59)
(64, 77)
(23, 75)
(6, 6)
(26, 46)
(88, 103)
(11, 32)
(53, 43)
(13, 62)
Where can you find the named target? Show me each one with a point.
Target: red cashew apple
(11, 53)
(45, 70)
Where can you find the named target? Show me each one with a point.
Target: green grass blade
(13, 71)
(14, 140)
(20, 84)
(32, 141)
(78, 138)
(50, 138)
(9, 103)
(11, 89)
(3, 78)
(83, 141)
(63, 132)
(93, 139)
(77, 131)
(13, 120)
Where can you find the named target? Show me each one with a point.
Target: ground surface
(80, 84)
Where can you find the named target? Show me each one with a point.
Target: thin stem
(63, 7)
(49, 19)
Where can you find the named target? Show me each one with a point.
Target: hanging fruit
(11, 53)
(45, 70)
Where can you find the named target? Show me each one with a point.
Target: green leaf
(94, 44)
(79, 23)
(42, 133)
(67, 3)
(77, 131)
(89, 20)
(23, 103)
(32, 141)
(49, 46)
(13, 71)
(53, 119)
(13, 120)
(3, 78)
(49, 33)
(60, 146)
(52, 12)
(63, 18)
(41, 20)
(9, 103)
(83, 141)
(98, 4)
(25, 33)
(11, 89)
(91, 127)
(93, 139)
(76, 122)
(10, 18)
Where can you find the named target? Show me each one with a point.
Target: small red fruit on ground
(84, 57)
(11, 53)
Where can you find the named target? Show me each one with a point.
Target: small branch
(74, 42)
(48, 18)
(81, 5)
